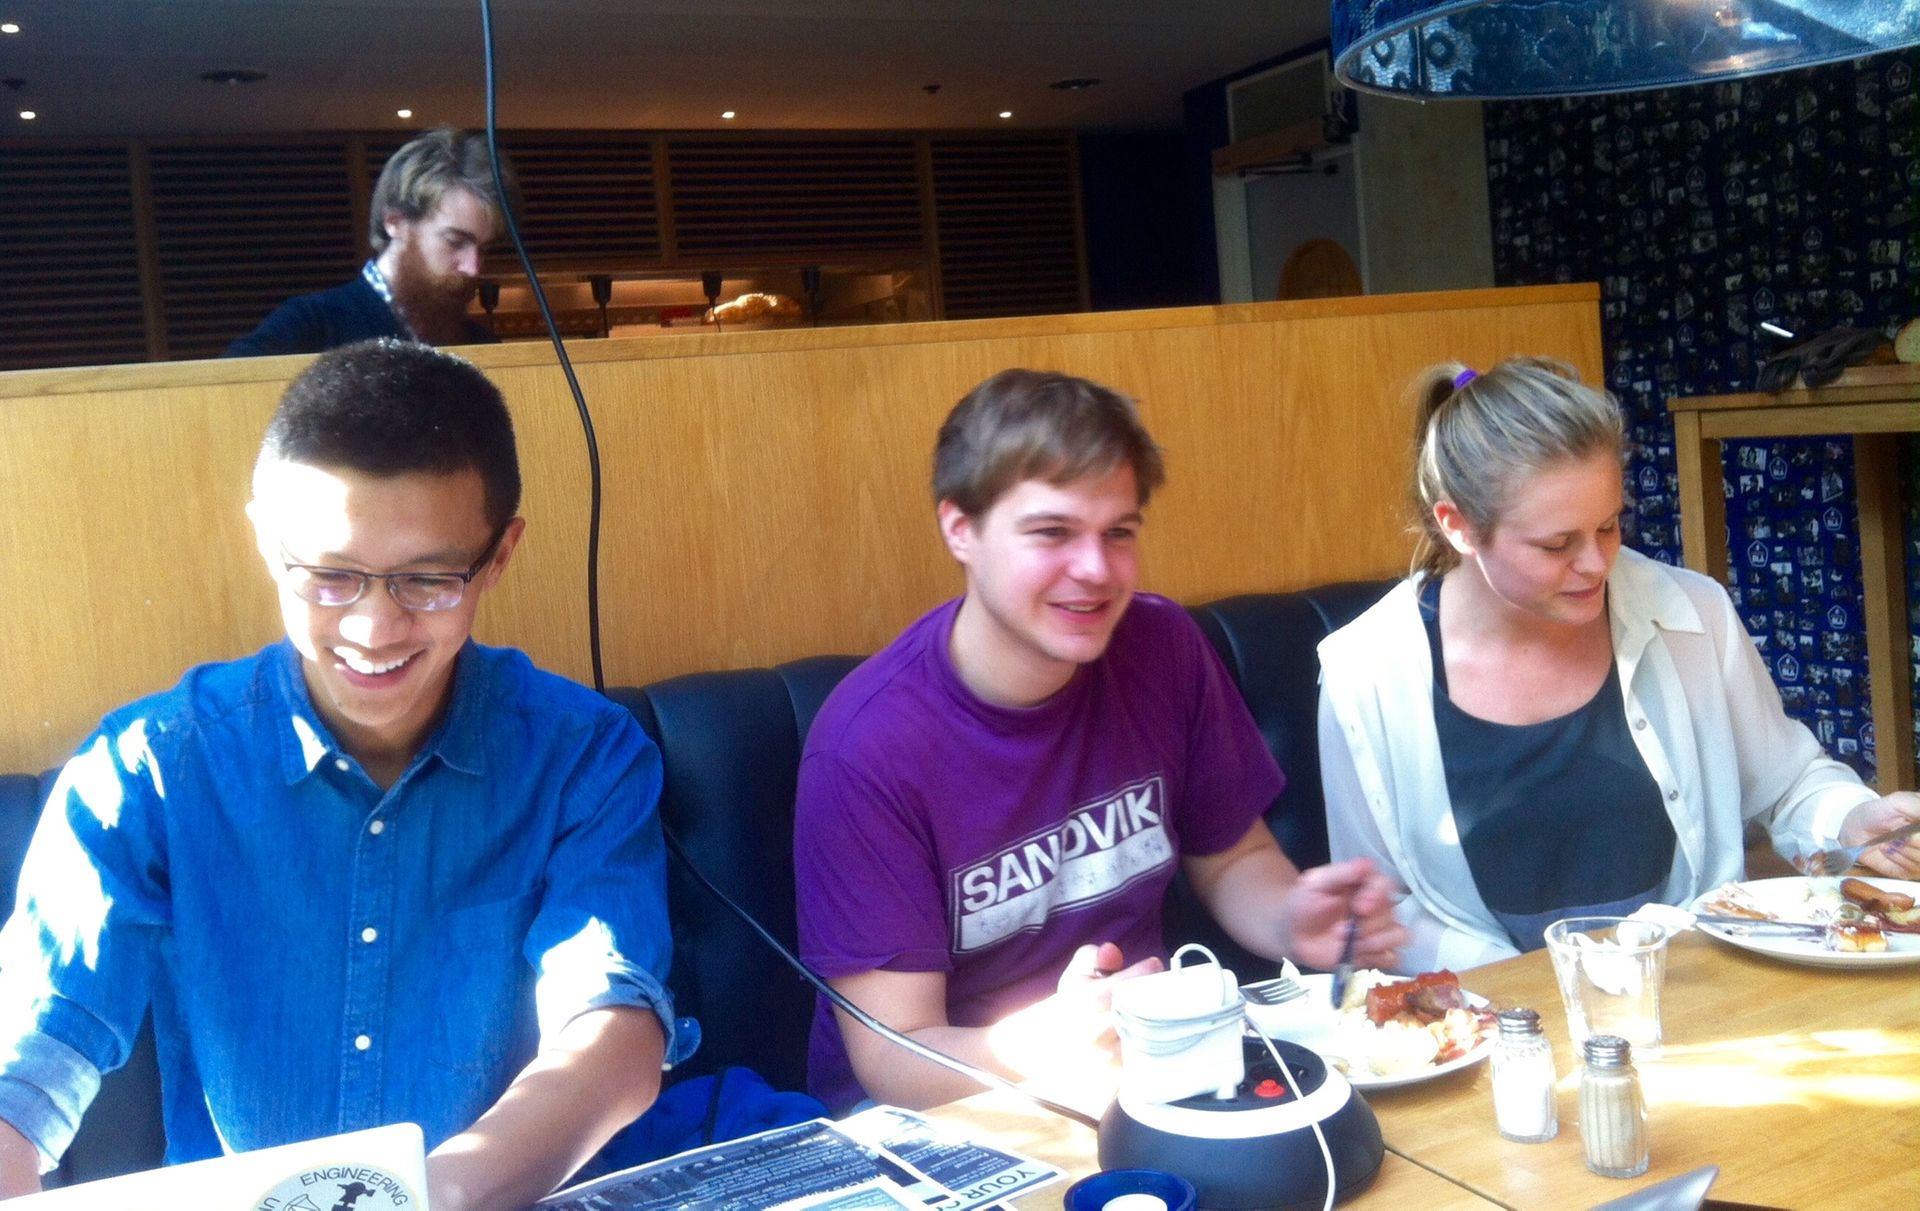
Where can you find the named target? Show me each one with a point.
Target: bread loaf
(1906, 342)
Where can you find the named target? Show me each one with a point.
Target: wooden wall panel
(239, 229)
(124, 550)
(590, 203)
(1008, 214)
(69, 259)
(772, 199)
(114, 252)
(765, 492)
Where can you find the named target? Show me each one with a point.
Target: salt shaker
(1523, 1079)
(1613, 1115)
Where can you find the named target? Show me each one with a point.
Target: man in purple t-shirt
(991, 809)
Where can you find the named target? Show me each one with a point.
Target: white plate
(1903, 949)
(1370, 1081)
(1315, 1036)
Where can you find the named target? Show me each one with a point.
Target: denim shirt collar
(305, 741)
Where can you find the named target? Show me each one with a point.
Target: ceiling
(127, 67)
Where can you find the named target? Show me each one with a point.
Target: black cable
(560, 351)
(826, 990)
(990, 1079)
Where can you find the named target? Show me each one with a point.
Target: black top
(1559, 818)
(315, 323)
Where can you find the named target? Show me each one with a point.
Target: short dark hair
(417, 176)
(390, 407)
(1034, 424)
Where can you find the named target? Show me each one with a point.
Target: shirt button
(341, 764)
(1639, 725)
(1672, 795)
(369, 934)
(362, 1042)
(377, 827)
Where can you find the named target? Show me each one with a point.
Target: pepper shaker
(1613, 1114)
(1523, 1075)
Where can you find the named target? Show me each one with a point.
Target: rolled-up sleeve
(76, 956)
(601, 937)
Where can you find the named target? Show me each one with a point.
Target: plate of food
(1850, 922)
(1389, 1030)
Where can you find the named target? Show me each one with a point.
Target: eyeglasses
(336, 587)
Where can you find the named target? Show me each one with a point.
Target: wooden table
(1802, 1084)
(1876, 405)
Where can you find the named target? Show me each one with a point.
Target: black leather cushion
(731, 742)
(121, 1132)
(1267, 642)
(20, 800)
(1342, 602)
(809, 682)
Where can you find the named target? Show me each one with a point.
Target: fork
(1277, 991)
(1840, 861)
(1343, 970)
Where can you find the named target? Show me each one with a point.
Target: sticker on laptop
(338, 1188)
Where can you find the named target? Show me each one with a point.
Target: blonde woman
(1538, 723)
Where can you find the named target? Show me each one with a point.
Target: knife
(1788, 931)
(1839, 861)
(1754, 923)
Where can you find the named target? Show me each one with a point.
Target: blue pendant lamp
(1481, 49)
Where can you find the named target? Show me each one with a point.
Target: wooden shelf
(1875, 405)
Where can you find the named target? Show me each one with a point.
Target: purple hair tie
(1464, 377)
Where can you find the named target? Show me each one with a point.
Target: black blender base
(1280, 1171)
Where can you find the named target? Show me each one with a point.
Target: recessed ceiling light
(233, 75)
(403, 113)
(9, 27)
(27, 115)
(1006, 113)
(727, 114)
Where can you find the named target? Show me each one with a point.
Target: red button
(1269, 1088)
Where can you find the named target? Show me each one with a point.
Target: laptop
(384, 1169)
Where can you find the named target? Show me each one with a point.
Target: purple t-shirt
(938, 832)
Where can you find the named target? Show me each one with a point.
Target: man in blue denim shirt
(375, 873)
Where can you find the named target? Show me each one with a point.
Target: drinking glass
(1610, 970)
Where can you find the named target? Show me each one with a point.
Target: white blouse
(1703, 712)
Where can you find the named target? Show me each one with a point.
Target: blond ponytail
(1480, 435)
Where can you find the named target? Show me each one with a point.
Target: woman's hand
(1900, 859)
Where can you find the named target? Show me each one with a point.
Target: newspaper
(973, 1174)
(880, 1158)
